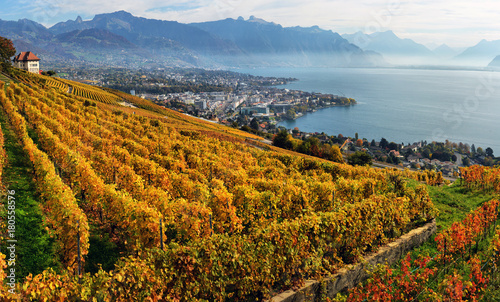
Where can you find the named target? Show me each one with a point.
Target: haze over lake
(402, 105)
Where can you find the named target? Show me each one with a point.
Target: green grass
(35, 248)
(455, 202)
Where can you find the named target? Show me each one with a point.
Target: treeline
(311, 146)
(446, 152)
(439, 151)
(318, 102)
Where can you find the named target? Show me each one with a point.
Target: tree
(304, 147)
(337, 155)
(473, 149)
(359, 142)
(290, 114)
(393, 159)
(373, 143)
(488, 161)
(466, 148)
(393, 146)
(7, 51)
(254, 124)
(489, 152)
(282, 140)
(466, 161)
(383, 143)
(359, 159)
(246, 128)
(49, 73)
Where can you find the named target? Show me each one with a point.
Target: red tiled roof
(26, 56)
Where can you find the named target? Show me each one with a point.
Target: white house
(28, 61)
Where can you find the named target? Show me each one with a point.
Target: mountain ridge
(480, 54)
(197, 45)
(396, 50)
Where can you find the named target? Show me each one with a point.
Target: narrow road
(5, 78)
(459, 159)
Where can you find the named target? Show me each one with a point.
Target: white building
(28, 61)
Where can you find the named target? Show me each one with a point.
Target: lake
(402, 105)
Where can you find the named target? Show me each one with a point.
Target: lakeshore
(402, 105)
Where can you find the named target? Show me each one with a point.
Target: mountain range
(121, 39)
(407, 52)
(394, 49)
(481, 54)
(403, 51)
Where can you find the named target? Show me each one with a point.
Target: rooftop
(26, 56)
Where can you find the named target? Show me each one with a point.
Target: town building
(254, 110)
(201, 104)
(28, 61)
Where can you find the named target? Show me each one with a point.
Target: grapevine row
(3, 208)
(94, 95)
(481, 177)
(132, 221)
(369, 187)
(3, 156)
(342, 184)
(411, 283)
(190, 218)
(60, 205)
(407, 284)
(459, 238)
(221, 267)
(304, 217)
(79, 89)
(57, 84)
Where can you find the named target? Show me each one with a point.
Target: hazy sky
(458, 23)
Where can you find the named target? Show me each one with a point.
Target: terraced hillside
(186, 209)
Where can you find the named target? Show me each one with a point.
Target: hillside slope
(193, 209)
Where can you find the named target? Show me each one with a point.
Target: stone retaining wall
(351, 275)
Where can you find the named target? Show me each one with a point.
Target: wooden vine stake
(161, 236)
(79, 254)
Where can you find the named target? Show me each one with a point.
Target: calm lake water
(402, 105)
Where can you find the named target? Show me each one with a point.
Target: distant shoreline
(412, 67)
(281, 119)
